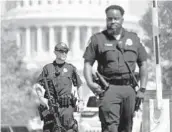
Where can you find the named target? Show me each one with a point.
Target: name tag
(108, 44)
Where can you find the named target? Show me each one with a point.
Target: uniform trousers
(66, 120)
(116, 109)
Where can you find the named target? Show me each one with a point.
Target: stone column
(35, 3)
(18, 4)
(39, 40)
(76, 1)
(75, 46)
(26, 2)
(85, 2)
(65, 2)
(51, 40)
(44, 2)
(64, 38)
(88, 35)
(18, 38)
(103, 2)
(95, 2)
(28, 42)
(53, 2)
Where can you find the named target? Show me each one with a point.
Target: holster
(73, 101)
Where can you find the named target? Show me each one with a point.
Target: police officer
(62, 74)
(112, 48)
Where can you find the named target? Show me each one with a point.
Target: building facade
(40, 24)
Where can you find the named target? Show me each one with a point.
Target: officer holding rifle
(54, 87)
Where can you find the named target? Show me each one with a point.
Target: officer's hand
(140, 93)
(39, 89)
(80, 105)
(44, 102)
(96, 89)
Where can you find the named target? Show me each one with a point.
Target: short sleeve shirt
(61, 78)
(104, 48)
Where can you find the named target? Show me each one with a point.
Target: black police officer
(111, 48)
(62, 74)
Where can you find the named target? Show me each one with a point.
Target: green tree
(17, 101)
(165, 30)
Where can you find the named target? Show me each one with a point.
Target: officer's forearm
(88, 72)
(143, 75)
(43, 101)
(79, 92)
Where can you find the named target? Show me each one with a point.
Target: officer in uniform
(112, 48)
(62, 75)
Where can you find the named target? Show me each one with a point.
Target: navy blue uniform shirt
(104, 48)
(62, 77)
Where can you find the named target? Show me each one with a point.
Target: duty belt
(120, 81)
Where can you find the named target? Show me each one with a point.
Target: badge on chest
(129, 42)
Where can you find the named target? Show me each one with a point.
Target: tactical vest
(109, 57)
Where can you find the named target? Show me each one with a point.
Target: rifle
(53, 108)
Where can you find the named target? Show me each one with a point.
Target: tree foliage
(165, 31)
(17, 101)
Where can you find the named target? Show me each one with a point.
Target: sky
(138, 7)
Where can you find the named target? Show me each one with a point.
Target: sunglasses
(62, 51)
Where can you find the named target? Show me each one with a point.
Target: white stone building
(40, 24)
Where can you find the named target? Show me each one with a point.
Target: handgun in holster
(98, 78)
